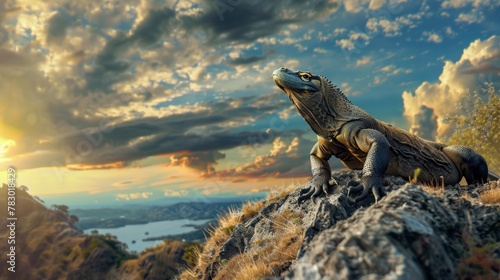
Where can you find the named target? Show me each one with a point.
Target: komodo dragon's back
(414, 152)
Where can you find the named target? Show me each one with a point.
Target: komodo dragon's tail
(492, 176)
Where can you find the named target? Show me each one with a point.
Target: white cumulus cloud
(480, 63)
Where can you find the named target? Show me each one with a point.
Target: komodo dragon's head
(324, 107)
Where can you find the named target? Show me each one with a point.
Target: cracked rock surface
(409, 234)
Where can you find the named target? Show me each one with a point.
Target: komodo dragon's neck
(342, 110)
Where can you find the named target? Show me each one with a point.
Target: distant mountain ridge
(118, 217)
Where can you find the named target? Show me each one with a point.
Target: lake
(129, 233)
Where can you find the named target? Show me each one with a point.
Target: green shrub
(479, 127)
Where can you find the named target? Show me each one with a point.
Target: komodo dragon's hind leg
(471, 164)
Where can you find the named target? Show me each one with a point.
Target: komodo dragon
(362, 142)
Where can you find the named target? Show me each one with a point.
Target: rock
(409, 234)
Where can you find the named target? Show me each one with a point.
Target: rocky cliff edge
(415, 232)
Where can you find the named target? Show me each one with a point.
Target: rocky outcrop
(409, 234)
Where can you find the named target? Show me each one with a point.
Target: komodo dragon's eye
(306, 77)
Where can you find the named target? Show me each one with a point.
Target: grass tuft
(282, 192)
(434, 187)
(491, 196)
(251, 209)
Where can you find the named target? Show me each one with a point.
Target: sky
(133, 101)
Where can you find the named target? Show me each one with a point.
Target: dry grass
(251, 209)
(434, 187)
(491, 196)
(280, 193)
(279, 248)
(218, 236)
(283, 246)
(243, 266)
(189, 274)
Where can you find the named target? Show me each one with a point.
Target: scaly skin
(362, 142)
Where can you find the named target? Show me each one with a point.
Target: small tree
(479, 127)
(73, 219)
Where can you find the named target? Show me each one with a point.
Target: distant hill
(48, 245)
(118, 217)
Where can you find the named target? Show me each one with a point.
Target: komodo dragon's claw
(368, 184)
(314, 191)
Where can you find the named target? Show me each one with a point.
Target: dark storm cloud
(244, 23)
(249, 60)
(201, 131)
(201, 161)
(167, 143)
(111, 65)
(156, 23)
(247, 21)
(57, 26)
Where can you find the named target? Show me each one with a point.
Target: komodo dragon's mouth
(276, 81)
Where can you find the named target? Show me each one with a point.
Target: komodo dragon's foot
(314, 190)
(368, 184)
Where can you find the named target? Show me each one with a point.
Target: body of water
(130, 233)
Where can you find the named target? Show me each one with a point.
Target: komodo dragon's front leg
(378, 155)
(321, 176)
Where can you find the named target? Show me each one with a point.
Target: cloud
(425, 123)
(479, 63)
(356, 39)
(203, 161)
(449, 31)
(194, 137)
(475, 16)
(249, 60)
(386, 23)
(286, 113)
(347, 89)
(474, 9)
(12, 61)
(432, 37)
(116, 72)
(391, 70)
(78, 65)
(248, 21)
(387, 68)
(57, 26)
(363, 61)
(320, 50)
(176, 193)
(393, 28)
(463, 3)
(134, 196)
(282, 160)
(356, 6)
